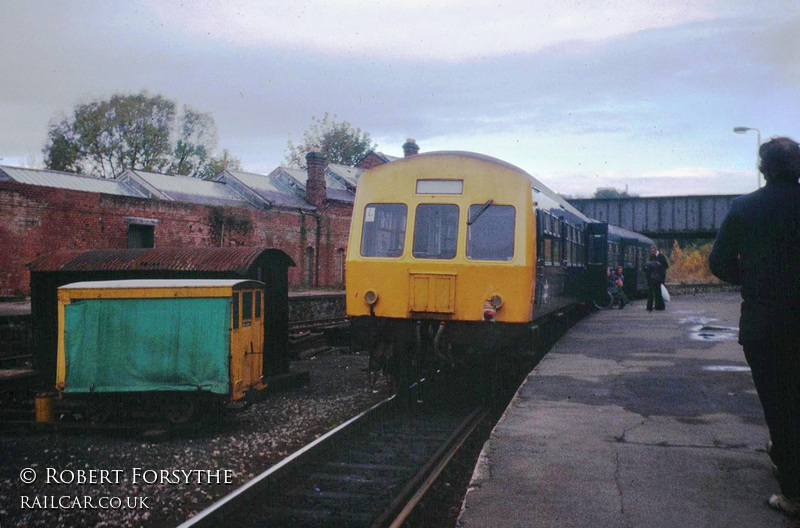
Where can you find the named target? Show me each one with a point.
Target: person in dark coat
(758, 247)
(654, 273)
(663, 261)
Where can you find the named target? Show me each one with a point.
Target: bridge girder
(661, 217)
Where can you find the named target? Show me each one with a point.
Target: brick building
(304, 213)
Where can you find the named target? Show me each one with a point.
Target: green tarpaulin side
(134, 345)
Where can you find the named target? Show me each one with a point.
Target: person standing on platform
(654, 272)
(664, 265)
(758, 247)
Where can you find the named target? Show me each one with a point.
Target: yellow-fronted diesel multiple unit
(447, 236)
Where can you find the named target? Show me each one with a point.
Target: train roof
(158, 283)
(625, 233)
(536, 184)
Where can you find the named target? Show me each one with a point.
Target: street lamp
(744, 130)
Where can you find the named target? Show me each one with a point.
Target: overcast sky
(581, 94)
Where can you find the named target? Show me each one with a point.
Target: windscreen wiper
(480, 212)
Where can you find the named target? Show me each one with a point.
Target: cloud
(451, 30)
(576, 93)
(672, 182)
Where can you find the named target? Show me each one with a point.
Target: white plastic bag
(664, 293)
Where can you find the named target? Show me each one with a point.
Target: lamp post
(744, 130)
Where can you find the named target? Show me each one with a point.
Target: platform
(633, 420)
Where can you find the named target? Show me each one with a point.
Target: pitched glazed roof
(65, 180)
(274, 188)
(283, 187)
(340, 180)
(184, 188)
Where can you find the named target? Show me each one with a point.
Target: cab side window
(490, 232)
(235, 309)
(384, 230)
(435, 231)
(247, 305)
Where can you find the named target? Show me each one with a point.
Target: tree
(193, 148)
(138, 131)
(217, 164)
(611, 192)
(340, 142)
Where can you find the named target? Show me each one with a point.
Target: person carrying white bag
(656, 271)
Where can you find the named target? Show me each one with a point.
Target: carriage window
(570, 247)
(247, 305)
(384, 230)
(556, 251)
(235, 309)
(630, 256)
(435, 231)
(258, 304)
(491, 235)
(579, 240)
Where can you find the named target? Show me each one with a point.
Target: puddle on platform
(726, 368)
(706, 332)
(696, 319)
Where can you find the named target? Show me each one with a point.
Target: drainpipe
(317, 218)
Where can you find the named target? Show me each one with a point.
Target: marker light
(370, 297)
(496, 301)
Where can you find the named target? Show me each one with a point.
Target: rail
(369, 472)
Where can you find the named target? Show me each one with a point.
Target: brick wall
(370, 160)
(38, 220)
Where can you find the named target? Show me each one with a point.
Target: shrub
(690, 264)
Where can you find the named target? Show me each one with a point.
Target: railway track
(368, 472)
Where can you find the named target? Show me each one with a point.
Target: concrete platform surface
(633, 420)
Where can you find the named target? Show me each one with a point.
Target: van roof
(157, 283)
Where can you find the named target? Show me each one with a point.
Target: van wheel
(100, 412)
(179, 408)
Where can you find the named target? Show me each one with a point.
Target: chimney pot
(316, 189)
(410, 147)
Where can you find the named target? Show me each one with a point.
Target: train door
(247, 340)
(236, 345)
(596, 260)
(628, 246)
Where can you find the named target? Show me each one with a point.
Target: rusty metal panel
(53, 261)
(158, 259)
